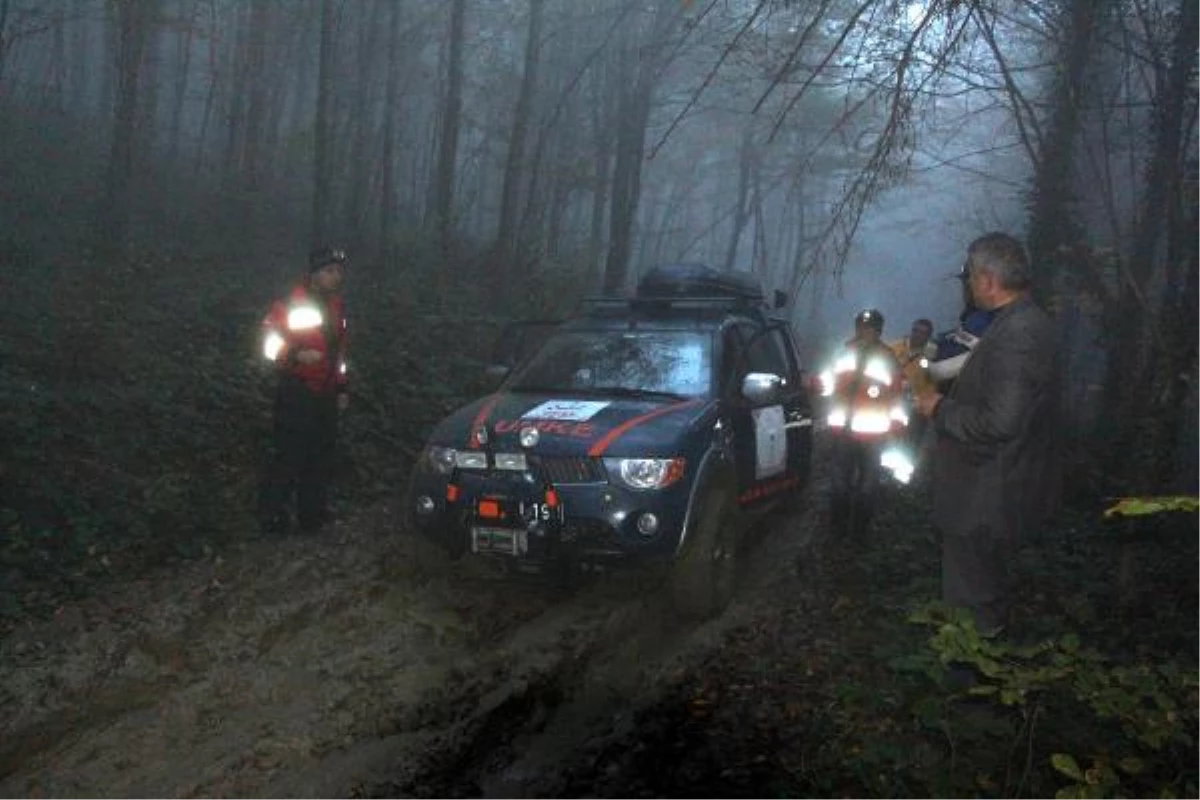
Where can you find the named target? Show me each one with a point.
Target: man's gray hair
(1002, 256)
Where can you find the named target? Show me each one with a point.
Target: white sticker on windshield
(770, 441)
(570, 410)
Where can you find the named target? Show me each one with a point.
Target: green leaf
(1067, 765)
(1141, 506)
(1131, 765)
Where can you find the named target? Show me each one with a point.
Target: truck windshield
(663, 362)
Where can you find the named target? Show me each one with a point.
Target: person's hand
(309, 356)
(343, 401)
(926, 403)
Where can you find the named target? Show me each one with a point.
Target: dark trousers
(303, 451)
(855, 483)
(915, 435)
(976, 575)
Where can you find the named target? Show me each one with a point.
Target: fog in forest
(622, 135)
(484, 161)
(165, 168)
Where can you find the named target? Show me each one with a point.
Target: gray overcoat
(996, 465)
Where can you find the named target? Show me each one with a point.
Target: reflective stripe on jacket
(304, 320)
(864, 391)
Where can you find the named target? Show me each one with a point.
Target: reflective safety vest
(305, 320)
(863, 388)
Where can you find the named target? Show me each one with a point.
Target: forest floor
(152, 643)
(329, 666)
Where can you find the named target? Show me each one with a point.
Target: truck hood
(575, 425)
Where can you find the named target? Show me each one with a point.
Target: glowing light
(272, 345)
(304, 318)
(898, 463)
(826, 379)
(878, 371)
(870, 422)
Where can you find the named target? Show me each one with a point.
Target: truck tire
(701, 580)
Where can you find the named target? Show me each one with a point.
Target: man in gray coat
(996, 468)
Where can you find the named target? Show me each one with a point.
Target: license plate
(508, 541)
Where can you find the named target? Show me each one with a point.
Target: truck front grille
(565, 470)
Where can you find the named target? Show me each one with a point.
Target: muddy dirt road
(329, 667)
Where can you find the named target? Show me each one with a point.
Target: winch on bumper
(528, 517)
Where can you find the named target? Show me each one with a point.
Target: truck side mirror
(762, 388)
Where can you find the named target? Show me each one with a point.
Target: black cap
(320, 257)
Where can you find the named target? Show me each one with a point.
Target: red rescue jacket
(864, 392)
(307, 320)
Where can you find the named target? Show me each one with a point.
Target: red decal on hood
(578, 430)
(480, 419)
(602, 444)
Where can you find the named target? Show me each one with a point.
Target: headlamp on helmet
(321, 257)
(870, 317)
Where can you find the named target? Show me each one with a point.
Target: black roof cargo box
(671, 281)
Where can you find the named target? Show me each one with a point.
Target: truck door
(771, 438)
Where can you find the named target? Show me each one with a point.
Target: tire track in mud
(329, 667)
(166, 686)
(570, 709)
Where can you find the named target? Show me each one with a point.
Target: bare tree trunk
(1052, 228)
(237, 99)
(451, 120)
(362, 161)
(210, 97)
(58, 61)
(741, 211)
(322, 172)
(514, 164)
(387, 200)
(633, 114)
(760, 264)
(252, 137)
(602, 147)
(560, 198)
(134, 18)
(182, 71)
(148, 91)
(5, 17)
(1140, 359)
(79, 96)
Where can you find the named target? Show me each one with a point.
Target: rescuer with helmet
(304, 336)
(865, 413)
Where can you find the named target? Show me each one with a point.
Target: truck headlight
(646, 473)
(440, 459)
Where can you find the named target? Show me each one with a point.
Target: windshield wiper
(534, 388)
(594, 391)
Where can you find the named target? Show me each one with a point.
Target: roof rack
(695, 287)
(698, 282)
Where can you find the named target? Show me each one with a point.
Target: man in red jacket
(304, 335)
